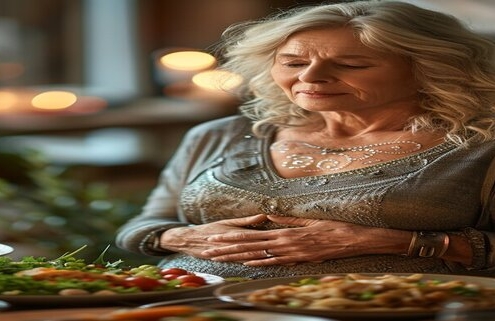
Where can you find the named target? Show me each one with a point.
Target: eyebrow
(345, 56)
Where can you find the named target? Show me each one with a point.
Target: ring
(268, 254)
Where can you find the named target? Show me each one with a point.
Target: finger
(275, 257)
(241, 257)
(249, 220)
(244, 236)
(275, 260)
(250, 250)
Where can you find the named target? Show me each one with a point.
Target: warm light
(217, 80)
(8, 100)
(54, 100)
(188, 60)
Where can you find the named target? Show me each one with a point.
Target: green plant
(43, 207)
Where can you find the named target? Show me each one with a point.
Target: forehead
(326, 41)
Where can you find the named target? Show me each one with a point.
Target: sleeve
(483, 241)
(488, 212)
(482, 237)
(161, 210)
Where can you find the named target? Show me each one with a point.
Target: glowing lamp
(188, 60)
(54, 100)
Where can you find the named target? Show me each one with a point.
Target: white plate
(236, 293)
(94, 300)
(5, 249)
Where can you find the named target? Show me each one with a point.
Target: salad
(68, 275)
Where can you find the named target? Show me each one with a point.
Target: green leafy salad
(68, 275)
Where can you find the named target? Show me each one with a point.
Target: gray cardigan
(220, 162)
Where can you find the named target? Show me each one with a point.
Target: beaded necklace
(312, 158)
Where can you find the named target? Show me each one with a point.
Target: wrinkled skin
(227, 240)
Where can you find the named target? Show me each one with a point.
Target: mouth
(316, 93)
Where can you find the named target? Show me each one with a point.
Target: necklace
(312, 158)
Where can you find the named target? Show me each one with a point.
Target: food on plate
(163, 313)
(68, 275)
(166, 313)
(383, 292)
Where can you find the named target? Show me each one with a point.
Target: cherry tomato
(190, 285)
(142, 282)
(169, 277)
(191, 278)
(175, 271)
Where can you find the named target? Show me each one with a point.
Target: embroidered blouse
(221, 170)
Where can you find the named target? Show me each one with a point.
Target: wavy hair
(454, 66)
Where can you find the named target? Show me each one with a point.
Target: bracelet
(428, 244)
(151, 243)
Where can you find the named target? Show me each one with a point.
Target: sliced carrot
(44, 273)
(151, 313)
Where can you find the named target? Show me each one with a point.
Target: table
(144, 112)
(57, 314)
(201, 298)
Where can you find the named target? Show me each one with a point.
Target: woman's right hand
(193, 240)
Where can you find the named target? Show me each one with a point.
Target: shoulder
(222, 126)
(485, 148)
(476, 153)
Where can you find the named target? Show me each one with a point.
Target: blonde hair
(454, 66)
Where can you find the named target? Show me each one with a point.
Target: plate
(236, 293)
(94, 300)
(5, 249)
(55, 314)
(269, 316)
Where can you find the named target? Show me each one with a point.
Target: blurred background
(95, 96)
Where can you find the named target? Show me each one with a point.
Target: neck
(337, 124)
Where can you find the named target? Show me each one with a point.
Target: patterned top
(222, 171)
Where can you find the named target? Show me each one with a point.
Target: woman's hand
(194, 240)
(308, 240)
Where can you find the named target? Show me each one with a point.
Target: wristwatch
(151, 243)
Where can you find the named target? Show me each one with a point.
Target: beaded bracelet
(428, 244)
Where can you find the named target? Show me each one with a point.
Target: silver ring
(268, 254)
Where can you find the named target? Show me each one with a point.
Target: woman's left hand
(309, 240)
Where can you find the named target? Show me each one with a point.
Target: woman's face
(330, 70)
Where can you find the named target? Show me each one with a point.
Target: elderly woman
(363, 142)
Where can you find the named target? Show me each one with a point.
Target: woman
(362, 145)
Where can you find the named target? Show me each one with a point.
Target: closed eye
(352, 66)
(294, 65)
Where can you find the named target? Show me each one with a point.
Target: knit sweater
(221, 170)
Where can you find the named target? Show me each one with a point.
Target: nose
(317, 73)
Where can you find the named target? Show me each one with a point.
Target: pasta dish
(378, 293)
